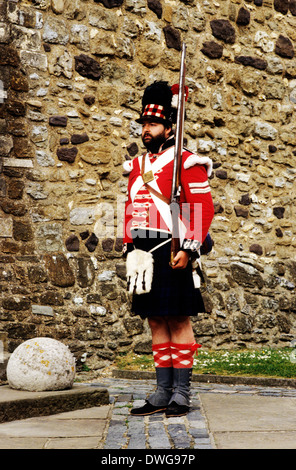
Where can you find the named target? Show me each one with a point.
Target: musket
(176, 182)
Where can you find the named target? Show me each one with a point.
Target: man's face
(154, 134)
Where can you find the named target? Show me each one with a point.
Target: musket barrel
(179, 127)
(176, 183)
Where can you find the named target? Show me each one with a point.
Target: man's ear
(168, 131)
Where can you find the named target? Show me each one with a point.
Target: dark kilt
(173, 291)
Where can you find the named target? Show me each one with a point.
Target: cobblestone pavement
(158, 432)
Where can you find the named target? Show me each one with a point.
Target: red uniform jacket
(145, 210)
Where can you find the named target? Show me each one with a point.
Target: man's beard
(153, 143)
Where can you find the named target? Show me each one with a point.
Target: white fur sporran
(139, 271)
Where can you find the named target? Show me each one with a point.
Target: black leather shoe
(147, 409)
(174, 410)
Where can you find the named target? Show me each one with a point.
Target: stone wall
(72, 76)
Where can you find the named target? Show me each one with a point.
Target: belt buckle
(148, 177)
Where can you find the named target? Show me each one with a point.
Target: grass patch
(131, 361)
(266, 362)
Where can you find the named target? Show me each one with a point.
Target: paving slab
(19, 404)
(70, 430)
(250, 422)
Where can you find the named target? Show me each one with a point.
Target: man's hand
(181, 260)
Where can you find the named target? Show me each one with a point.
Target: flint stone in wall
(152, 31)
(85, 272)
(95, 152)
(265, 130)
(132, 149)
(10, 207)
(246, 275)
(82, 216)
(25, 38)
(35, 190)
(4, 33)
(134, 326)
(106, 276)
(284, 47)
(79, 138)
(181, 18)
(274, 88)
(212, 49)
(22, 231)
(16, 303)
(55, 31)
(79, 36)
(110, 3)
(52, 298)
(275, 66)
(199, 21)
(43, 159)
(138, 7)
(241, 211)
(279, 212)
(89, 99)
(150, 56)
(156, 7)
(19, 82)
(6, 226)
(9, 56)
(121, 47)
(58, 121)
(42, 310)
(282, 6)
(292, 7)
(49, 236)
(172, 37)
(205, 328)
(16, 108)
(243, 324)
(59, 271)
(36, 274)
(292, 96)
(60, 63)
(34, 59)
(41, 364)
(108, 245)
(92, 243)
(262, 39)
(72, 243)
(6, 145)
(104, 19)
(57, 6)
(15, 189)
(255, 248)
(255, 62)
(67, 154)
(221, 174)
(223, 29)
(250, 82)
(2, 187)
(243, 17)
(87, 67)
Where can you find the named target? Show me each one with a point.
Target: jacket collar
(170, 142)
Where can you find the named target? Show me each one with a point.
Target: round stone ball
(41, 364)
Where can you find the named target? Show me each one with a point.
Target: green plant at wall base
(265, 362)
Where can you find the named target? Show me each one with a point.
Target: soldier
(165, 293)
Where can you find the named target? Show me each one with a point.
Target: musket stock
(176, 182)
